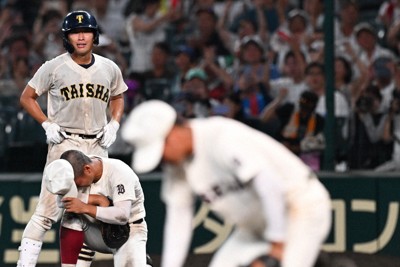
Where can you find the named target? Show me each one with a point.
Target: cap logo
(79, 18)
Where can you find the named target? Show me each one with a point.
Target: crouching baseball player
(280, 210)
(104, 206)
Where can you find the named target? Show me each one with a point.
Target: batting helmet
(75, 20)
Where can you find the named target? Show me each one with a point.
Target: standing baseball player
(280, 210)
(83, 90)
(107, 211)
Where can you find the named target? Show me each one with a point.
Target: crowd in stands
(260, 62)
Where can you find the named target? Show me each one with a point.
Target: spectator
(46, 31)
(301, 128)
(195, 101)
(158, 81)
(389, 13)
(219, 8)
(366, 148)
(18, 46)
(10, 17)
(273, 11)
(20, 75)
(292, 76)
(315, 80)
(367, 40)
(383, 70)
(109, 14)
(185, 59)
(296, 29)
(252, 77)
(391, 135)
(144, 30)
(220, 81)
(232, 107)
(345, 24)
(346, 80)
(315, 13)
(246, 27)
(205, 33)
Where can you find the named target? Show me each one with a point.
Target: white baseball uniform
(120, 183)
(78, 98)
(253, 182)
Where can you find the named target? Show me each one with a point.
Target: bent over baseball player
(280, 210)
(84, 90)
(119, 228)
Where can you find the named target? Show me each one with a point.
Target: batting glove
(109, 134)
(53, 132)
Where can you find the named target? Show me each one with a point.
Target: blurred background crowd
(257, 61)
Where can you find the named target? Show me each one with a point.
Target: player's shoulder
(58, 60)
(105, 61)
(118, 164)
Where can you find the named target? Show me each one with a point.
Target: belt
(83, 136)
(138, 221)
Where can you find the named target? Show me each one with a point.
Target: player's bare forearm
(29, 103)
(75, 205)
(117, 107)
(98, 200)
(277, 250)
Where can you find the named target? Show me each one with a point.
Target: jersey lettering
(81, 90)
(120, 189)
(218, 191)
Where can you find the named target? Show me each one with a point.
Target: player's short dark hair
(77, 159)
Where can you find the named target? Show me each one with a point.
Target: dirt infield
(326, 260)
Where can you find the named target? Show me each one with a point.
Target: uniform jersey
(117, 182)
(219, 171)
(228, 160)
(78, 97)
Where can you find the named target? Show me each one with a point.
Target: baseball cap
(296, 12)
(146, 128)
(185, 49)
(196, 73)
(252, 40)
(59, 179)
(364, 26)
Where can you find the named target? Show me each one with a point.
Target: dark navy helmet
(75, 20)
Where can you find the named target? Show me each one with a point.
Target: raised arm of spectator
(392, 34)
(281, 6)
(222, 27)
(262, 22)
(269, 112)
(210, 62)
(144, 26)
(363, 80)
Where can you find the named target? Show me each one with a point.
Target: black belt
(83, 136)
(138, 221)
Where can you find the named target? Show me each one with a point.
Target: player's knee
(37, 227)
(42, 222)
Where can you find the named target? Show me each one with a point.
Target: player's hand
(53, 132)
(74, 205)
(109, 134)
